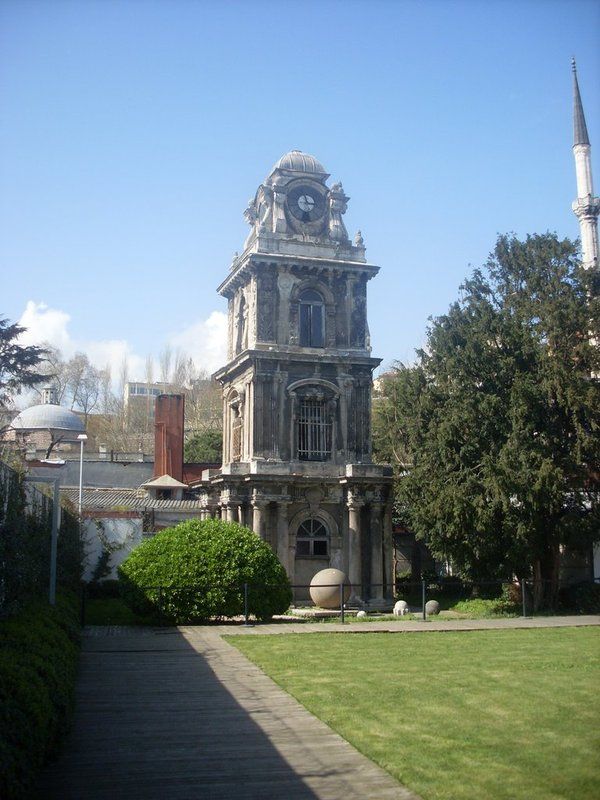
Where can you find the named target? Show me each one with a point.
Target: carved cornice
(246, 265)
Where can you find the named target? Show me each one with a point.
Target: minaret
(586, 207)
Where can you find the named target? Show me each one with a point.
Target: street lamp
(81, 438)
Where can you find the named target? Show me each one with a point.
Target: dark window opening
(312, 539)
(312, 318)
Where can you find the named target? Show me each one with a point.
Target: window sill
(313, 558)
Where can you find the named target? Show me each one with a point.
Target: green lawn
(482, 715)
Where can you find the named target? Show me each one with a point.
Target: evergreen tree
(17, 362)
(204, 447)
(496, 429)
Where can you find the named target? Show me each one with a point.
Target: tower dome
(297, 161)
(48, 417)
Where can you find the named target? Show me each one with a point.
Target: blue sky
(134, 132)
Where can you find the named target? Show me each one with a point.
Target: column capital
(355, 505)
(355, 500)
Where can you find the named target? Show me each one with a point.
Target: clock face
(306, 203)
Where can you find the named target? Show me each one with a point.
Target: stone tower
(297, 387)
(586, 207)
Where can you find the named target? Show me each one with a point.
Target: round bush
(196, 571)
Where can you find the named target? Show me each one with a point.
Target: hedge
(38, 665)
(196, 571)
(583, 598)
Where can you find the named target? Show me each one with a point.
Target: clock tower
(297, 464)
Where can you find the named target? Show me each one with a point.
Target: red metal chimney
(168, 435)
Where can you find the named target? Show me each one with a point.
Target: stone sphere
(400, 608)
(432, 607)
(325, 588)
(361, 614)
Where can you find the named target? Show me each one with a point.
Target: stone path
(179, 713)
(410, 625)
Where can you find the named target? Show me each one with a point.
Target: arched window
(312, 539)
(312, 319)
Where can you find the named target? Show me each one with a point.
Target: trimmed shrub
(38, 664)
(196, 571)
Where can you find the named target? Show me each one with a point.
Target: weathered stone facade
(297, 388)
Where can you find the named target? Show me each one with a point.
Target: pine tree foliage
(17, 362)
(204, 447)
(496, 429)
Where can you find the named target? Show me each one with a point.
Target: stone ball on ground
(361, 614)
(325, 588)
(432, 607)
(400, 608)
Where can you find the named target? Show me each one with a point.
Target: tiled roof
(165, 482)
(125, 500)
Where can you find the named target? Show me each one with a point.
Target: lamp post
(81, 439)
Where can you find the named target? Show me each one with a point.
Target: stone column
(226, 433)
(258, 518)
(283, 537)
(354, 555)
(293, 420)
(376, 553)
(388, 551)
(232, 512)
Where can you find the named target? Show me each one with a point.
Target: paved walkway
(178, 713)
(410, 625)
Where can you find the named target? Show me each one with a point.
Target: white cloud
(113, 352)
(204, 341)
(45, 324)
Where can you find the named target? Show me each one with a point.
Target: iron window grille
(314, 430)
(312, 539)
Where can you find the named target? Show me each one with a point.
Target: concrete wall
(118, 534)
